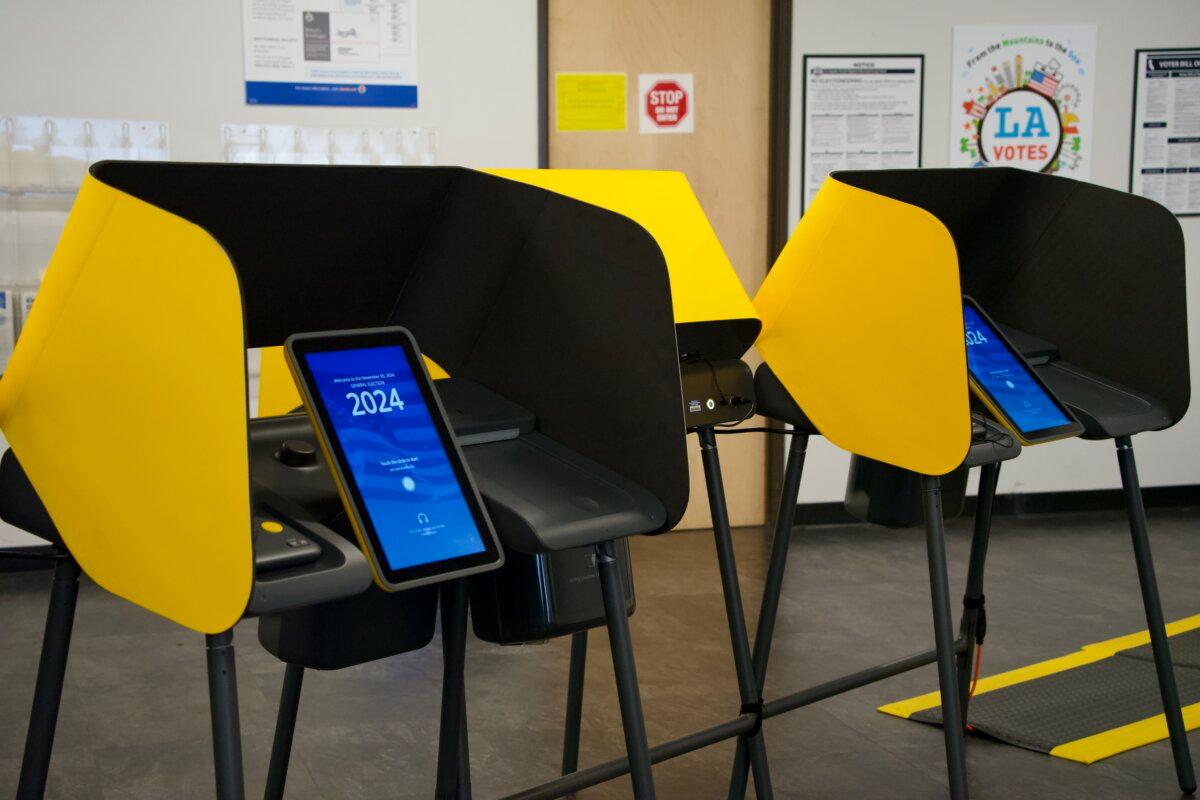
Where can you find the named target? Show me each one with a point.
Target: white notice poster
(330, 52)
(1021, 96)
(860, 112)
(1165, 163)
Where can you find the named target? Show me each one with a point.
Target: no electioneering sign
(667, 103)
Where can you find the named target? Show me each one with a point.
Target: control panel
(716, 392)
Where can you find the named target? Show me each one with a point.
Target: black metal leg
(453, 771)
(734, 614)
(285, 728)
(621, 644)
(1154, 615)
(939, 587)
(784, 521)
(973, 626)
(575, 676)
(464, 750)
(226, 727)
(52, 669)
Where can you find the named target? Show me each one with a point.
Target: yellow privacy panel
(125, 403)
(704, 286)
(277, 392)
(862, 322)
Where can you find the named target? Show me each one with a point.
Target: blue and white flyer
(330, 52)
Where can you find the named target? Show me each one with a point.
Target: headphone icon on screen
(422, 519)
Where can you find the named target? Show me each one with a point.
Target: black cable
(717, 381)
(712, 368)
(749, 413)
(752, 430)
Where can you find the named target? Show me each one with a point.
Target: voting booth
(542, 592)
(1089, 283)
(1086, 277)
(716, 324)
(524, 288)
(208, 260)
(863, 318)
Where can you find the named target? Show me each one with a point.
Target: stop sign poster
(1022, 97)
(667, 103)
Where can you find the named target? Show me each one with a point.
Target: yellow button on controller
(271, 526)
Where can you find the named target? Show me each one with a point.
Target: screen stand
(454, 765)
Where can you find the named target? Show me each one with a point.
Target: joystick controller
(296, 453)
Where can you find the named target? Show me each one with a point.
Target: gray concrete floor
(134, 720)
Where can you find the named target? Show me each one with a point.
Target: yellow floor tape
(1089, 749)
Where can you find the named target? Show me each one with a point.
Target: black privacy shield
(1098, 272)
(560, 306)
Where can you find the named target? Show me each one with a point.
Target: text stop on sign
(668, 103)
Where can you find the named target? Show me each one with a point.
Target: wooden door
(726, 46)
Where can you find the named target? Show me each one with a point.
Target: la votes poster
(1021, 96)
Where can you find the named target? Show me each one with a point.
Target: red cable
(978, 660)
(975, 678)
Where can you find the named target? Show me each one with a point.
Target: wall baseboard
(1030, 503)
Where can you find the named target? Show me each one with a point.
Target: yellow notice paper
(590, 101)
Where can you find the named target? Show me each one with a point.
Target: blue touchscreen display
(1006, 378)
(395, 456)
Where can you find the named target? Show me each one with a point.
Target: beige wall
(725, 45)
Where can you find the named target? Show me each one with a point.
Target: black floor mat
(1043, 713)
